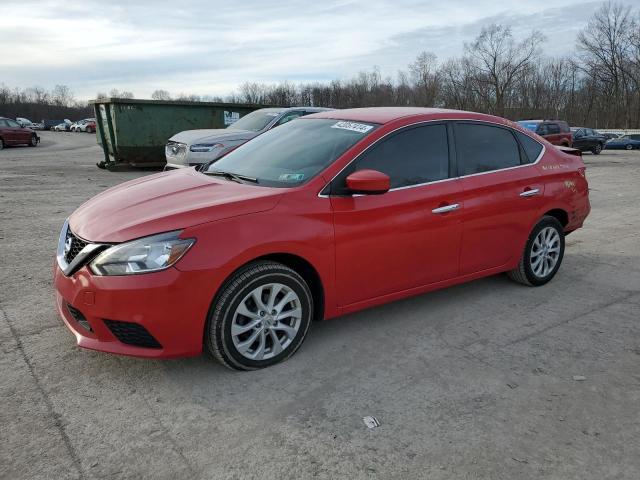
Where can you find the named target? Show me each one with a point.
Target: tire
(89, 130)
(597, 149)
(628, 147)
(253, 346)
(1, 144)
(34, 141)
(530, 271)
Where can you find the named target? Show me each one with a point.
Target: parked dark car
(588, 140)
(49, 124)
(556, 132)
(11, 133)
(623, 143)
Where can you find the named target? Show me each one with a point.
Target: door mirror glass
(368, 182)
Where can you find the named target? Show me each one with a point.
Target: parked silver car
(195, 147)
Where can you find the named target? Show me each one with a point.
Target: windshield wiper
(231, 176)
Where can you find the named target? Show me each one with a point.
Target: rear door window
(554, 129)
(485, 148)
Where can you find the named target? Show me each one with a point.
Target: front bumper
(171, 305)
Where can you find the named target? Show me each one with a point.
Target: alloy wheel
(266, 321)
(545, 252)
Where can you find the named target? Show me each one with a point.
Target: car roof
(287, 109)
(382, 115)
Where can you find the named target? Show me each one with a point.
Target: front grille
(132, 334)
(79, 317)
(73, 246)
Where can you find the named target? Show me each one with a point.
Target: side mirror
(368, 182)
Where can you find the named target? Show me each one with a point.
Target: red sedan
(329, 214)
(11, 133)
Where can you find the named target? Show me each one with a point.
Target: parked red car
(325, 215)
(11, 133)
(556, 132)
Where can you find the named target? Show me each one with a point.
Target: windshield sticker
(291, 177)
(354, 127)
(230, 118)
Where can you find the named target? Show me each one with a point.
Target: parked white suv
(196, 147)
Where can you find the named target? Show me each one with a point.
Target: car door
(554, 135)
(10, 132)
(407, 237)
(19, 135)
(502, 193)
(5, 132)
(579, 139)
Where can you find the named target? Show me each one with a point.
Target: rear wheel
(629, 147)
(89, 130)
(542, 254)
(260, 317)
(597, 149)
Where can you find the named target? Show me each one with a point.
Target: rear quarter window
(531, 148)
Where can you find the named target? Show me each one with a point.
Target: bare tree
(606, 45)
(426, 78)
(499, 61)
(61, 96)
(161, 95)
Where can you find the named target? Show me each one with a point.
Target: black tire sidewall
(597, 149)
(532, 277)
(223, 318)
(629, 147)
(34, 140)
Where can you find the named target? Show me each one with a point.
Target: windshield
(529, 125)
(294, 153)
(255, 121)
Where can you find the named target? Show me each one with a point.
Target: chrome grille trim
(79, 252)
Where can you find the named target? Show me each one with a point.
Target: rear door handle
(530, 193)
(446, 208)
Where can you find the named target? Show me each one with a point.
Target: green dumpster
(134, 132)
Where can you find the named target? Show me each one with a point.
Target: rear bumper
(171, 305)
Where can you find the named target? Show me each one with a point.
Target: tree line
(598, 85)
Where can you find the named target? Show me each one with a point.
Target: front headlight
(205, 147)
(144, 255)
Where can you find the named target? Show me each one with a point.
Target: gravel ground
(488, 380)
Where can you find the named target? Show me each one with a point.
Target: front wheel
(34, 141)
(629, 147)
(597, 149)
(260, 316)
(1, 144)
(542, 254)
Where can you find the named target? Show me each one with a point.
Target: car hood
(164, 202)
(191, 137)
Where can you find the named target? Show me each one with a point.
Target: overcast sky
(211, 47)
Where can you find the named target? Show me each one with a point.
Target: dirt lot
(475, 381)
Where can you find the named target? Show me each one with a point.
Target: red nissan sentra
(328, 214)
